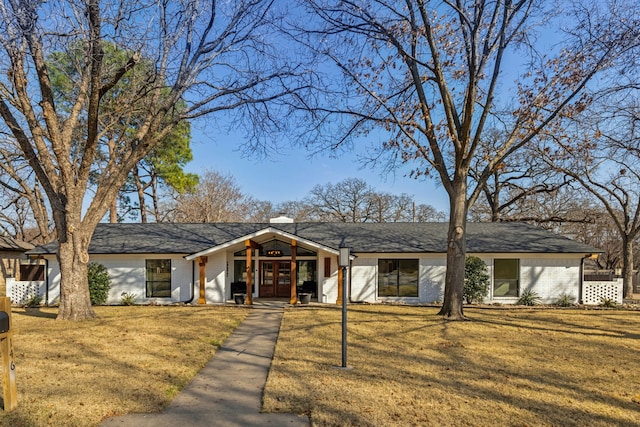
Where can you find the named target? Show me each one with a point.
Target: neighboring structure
(14, 264)
(403, 262)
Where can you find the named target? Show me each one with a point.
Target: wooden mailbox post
(9, 390)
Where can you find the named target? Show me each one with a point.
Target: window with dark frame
(327, 267)
(506, 277)
(240, 270)
(158, 280)
(306, 271)
(398, 277)
(31, 272)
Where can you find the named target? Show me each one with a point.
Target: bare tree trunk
(456, 253)
(113, 211)
(41, 215)
(154, 195)
(62, 141)
(495, 199)
(627, 266)
(73, 257)
(140, 190)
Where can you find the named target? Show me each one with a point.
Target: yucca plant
(607, 302)
(529, 297)
(565, 300)
(128, 298)
(33, 301)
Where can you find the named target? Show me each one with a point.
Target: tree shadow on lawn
(130, 362)
(454, 369)
(34, 312)
(567, 323)
(113, 313)
(399, 318)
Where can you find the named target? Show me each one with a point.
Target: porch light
(343, 259)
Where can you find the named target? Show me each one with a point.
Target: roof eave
(259, 233)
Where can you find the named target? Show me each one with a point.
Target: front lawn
(506, 367)
(131, 359)
(516, 367)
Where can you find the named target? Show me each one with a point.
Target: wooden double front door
(275, 279)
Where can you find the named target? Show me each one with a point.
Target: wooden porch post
(294, 273)
(339, 300)
(250, 245)
(202, 262)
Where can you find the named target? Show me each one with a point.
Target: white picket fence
(593, 292)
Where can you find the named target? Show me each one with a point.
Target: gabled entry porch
(267, 264)
(278, 268)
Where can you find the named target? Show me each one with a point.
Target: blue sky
(291, 174)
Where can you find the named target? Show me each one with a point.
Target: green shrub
(33, 301)
(565, 300)
(529, 297)
(128, 298)
(476, 280)
(99, 283)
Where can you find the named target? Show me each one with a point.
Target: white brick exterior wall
(364, 279)
(327, 286)
(550, 278)
(128, 275)
(549, 275)
(216, 278)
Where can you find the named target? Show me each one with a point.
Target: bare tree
(603, 155)
(600, 232)
(264, 211)
(427, 213)
(216, 198)
(389, 207)
(353, 200)
(212, 56)
(24, 206)
(519, 189)
(429, 76)
(346, 201)
(261, 211)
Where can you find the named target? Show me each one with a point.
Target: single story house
(165, 263)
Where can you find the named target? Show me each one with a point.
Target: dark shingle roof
(360, 237)
(13, 245)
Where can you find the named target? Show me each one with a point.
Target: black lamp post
(343, 261)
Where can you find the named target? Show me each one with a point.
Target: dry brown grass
(132, 359)
(514, 367)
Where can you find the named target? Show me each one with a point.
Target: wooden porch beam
(202, 262)
(250, 245)
(294, 273)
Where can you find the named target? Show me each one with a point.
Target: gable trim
(259, 233)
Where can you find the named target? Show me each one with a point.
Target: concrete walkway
(228, 390)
